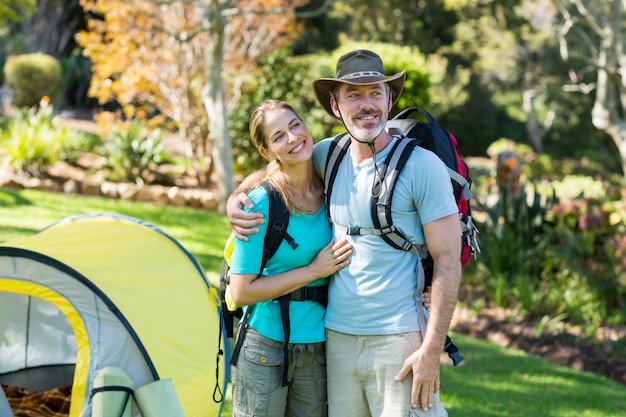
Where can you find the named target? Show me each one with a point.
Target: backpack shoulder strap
(381, 205)
(336, 152)
(278, 220)
(441, 142)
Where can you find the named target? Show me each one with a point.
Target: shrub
(132, 154)
(34, 139)
(33, 76)
(514, 238)
(289, 78)
(587, 261)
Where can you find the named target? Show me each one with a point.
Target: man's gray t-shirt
(375, 293)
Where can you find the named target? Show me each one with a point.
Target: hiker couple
(368, 353)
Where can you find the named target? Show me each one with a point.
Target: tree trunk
(609, 102)
(215, 104)
(608, 58)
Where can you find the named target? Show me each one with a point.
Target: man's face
(364, 109)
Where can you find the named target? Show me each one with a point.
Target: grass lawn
(492, 381)
(201, 232)
(499, 382)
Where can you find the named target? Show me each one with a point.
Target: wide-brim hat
(360, 67)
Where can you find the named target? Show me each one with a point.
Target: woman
(259, 388)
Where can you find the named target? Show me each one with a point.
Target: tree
(591, 38)
(509, 45)
(15, 10)
(181, 57)
(52, 27)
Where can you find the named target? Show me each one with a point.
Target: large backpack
(278, 220)
(429, 135)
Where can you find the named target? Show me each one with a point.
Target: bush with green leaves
(283, 76)
(397, 58)
(33, 76)
(586, 262)
(514, 238)
(33, 139)
(132, 153)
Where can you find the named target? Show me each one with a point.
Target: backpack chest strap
(390, 232)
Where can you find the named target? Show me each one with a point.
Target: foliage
(132, 154)
(589, 36)
(76, 78)
(33, 76)
(16, 45)
(424, 23)
(285, 77)
(34, 139)
(158, 58)
(14, 10)
(591, 284)
(514, 238)
(579, 275)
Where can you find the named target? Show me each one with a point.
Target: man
(374, 337)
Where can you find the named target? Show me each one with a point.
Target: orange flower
(510, 163)
(45, 100)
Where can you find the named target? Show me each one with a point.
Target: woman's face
(287, 137)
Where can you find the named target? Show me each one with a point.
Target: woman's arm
(248, 289)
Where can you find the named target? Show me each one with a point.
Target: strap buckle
(353, 230)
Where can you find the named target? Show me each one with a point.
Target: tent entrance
(41, 378)
(36, 338)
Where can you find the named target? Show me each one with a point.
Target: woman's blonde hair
(274, 173)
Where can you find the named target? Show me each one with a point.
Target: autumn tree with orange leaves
(186, 60)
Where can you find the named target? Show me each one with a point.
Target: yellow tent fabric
(155, 285)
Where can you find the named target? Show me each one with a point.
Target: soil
(602, 356)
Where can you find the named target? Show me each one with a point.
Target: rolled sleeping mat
(112, 394)
(158, 399)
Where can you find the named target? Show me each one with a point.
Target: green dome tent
(106, 290)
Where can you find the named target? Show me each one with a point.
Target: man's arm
(242, 222)
(443, 238)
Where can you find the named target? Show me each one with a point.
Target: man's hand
(425, 367)
(242, 222)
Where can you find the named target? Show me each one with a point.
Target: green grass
(201, 232)
(492, 381)
(495, 381)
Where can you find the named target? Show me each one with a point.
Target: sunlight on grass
(491, 382)
(201, 232)
(495, 381)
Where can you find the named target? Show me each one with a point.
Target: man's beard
(366, 135)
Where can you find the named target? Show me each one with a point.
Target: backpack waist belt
(318, 294)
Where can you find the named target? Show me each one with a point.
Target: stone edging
(176, 196)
